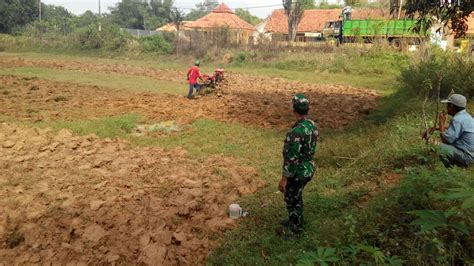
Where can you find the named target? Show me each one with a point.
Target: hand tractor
(211, 81)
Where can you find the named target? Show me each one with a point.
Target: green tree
(162, 10)
(202, 9)
(247, 16)
(309, 4)
(448, 12)
(58, 18)
(17, 13)
(129, 14)
(86, 19)
(324, 4)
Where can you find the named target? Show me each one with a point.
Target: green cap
(300, 102)
(197, 63)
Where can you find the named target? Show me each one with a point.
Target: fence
(141, 33)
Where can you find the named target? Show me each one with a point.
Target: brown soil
(89, 200)
(35, 100)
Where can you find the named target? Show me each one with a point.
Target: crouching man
(457, 139)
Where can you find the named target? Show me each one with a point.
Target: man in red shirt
(193, 75)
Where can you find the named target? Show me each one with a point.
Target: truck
(395, 31)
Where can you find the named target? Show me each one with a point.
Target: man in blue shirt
(458, 138)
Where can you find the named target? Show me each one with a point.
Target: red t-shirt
(193, 74)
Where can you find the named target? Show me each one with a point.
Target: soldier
(298, 166)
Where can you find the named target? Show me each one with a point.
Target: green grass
(109, 127)
(128, 82)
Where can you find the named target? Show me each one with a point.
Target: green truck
(397, 32)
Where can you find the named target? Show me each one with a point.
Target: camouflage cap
(300, 102)
(197, 63)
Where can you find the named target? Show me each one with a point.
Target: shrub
(89, 38)
(155, 44)
(113, 39)
(455, 72)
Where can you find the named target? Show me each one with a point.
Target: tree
(162, 10)
(247, 16)
(202, 9)
(323, 4)
(452, 13)
(129, 14)
(17, 13)
(351, 2)
(309, 4)
(177, 17)
(294, 10)
(142, 14)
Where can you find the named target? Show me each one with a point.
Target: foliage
(457, 71)
(322, 256)
(324, 4)
(434, 220)
(141, 14)
(155, 44)
(89, 38)
(430, 12)
(15, 14)
(309, 4)
(247, 16)
(202, 9)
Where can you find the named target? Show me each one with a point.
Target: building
(223, 19)
(312, 24)
(171, 27)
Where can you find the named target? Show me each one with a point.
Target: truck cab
(332, 29)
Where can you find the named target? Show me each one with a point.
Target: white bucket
(235, 211)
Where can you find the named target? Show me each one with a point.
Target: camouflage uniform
(298, 166)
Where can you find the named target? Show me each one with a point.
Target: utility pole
(100, 18)
(39, 9)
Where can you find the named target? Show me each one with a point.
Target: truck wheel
(397, 44)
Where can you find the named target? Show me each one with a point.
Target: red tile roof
(315, 19)
(222, 8)
(221, 16)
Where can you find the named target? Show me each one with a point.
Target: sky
(80, 6)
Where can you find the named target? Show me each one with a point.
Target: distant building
(171, 27)
(222, 18)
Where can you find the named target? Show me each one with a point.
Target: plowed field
(87, 200)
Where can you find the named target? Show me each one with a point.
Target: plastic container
(235, 211)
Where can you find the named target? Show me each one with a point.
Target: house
(171, 27)
(312, 24)
(222, 18)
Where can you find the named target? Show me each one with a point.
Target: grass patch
(252, 146)
(346, 162)
(133, 83)
(116, 126)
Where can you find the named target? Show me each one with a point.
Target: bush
(113, 39)
(455, 72)
(88, 38)
(155, 44)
